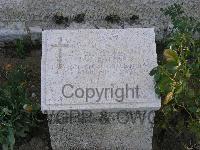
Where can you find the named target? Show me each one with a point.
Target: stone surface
(99, 59)
(98, 69)
(41, 13)
(119, 130)
(35, 144)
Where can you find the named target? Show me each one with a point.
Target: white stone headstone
(98, 69)
(97, 90)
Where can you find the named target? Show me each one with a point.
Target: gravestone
(96, 88)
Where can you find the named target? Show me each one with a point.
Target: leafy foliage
(177, 78)
(17, 113)
(22, 46)
(113, 18)
(60, 19)
(79, 18)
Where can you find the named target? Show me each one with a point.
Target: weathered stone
(98, 59)
(118, 130)
(40, 13)
(103, 63)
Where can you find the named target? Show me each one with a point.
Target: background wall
(16, 15)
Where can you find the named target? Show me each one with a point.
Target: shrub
(23, 46)
(177, 78)
(17, 113)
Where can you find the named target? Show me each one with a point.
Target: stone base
(124, 129)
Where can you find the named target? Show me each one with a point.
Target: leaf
(193, 109)
(22, 132)
(191, 93)
(168, 98)
(11, 138)
(157, 77)
(170, 55)
(188, 74)
(157, 90)
(165, 84)
(153, 71)
(5, 146)
(7, 111)
(179, 89)
(194, 126)
(171, 67)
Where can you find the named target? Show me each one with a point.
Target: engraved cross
(60, 45)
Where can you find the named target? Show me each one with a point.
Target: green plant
(60, 19)
(133, 18)
(177, 78)
(79, 18)
(113, 18)
(23, 46)
(17, 113)
(20, 48)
